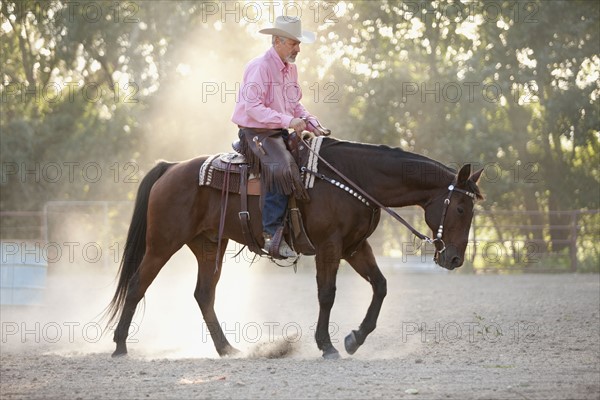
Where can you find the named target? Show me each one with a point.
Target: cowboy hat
(289, 27)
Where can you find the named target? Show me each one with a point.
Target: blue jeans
(275, 206)
(273, 211)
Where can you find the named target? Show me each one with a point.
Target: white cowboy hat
(289, 27)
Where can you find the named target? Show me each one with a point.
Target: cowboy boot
(285, 250)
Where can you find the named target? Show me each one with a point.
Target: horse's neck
(392, 176)
(410, 182)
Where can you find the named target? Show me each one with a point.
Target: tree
(75, 79)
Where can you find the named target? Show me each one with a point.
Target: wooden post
(573, 241)
(474, 248)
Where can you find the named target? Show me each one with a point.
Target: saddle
(230, 173)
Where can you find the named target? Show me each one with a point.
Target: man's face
(288, 50)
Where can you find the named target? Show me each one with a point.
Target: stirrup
(285, 251)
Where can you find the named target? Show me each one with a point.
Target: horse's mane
(383, 151)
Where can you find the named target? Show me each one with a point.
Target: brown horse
(171, 211)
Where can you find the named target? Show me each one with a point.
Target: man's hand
(316, 128)
(298, 125)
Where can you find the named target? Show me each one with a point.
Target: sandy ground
(439, 336)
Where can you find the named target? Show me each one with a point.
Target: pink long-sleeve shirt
(269, 95)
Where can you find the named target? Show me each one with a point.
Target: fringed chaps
(268, 155)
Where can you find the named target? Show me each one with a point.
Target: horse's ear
(463, 174)
(475, 177)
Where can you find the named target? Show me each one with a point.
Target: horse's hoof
(119, 353)
(229, 351)
(350, 343)
(331, 354)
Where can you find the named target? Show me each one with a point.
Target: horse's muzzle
(444, 259)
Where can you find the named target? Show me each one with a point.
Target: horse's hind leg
(149, 268)
(205, 252)
(363, 261)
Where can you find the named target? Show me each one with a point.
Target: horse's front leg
(363, 262)
(328, 262)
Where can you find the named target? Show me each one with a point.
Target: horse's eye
(460, 210)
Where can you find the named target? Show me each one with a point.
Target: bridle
(438, 239)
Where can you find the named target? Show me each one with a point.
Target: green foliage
(76, 79)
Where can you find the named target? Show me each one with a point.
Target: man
(268, 105)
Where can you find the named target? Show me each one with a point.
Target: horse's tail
(135, 246)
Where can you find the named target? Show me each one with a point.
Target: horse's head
(449, 216)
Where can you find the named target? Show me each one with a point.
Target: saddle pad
(313, 161)
(206, 171)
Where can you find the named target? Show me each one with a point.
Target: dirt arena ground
(439, 336)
